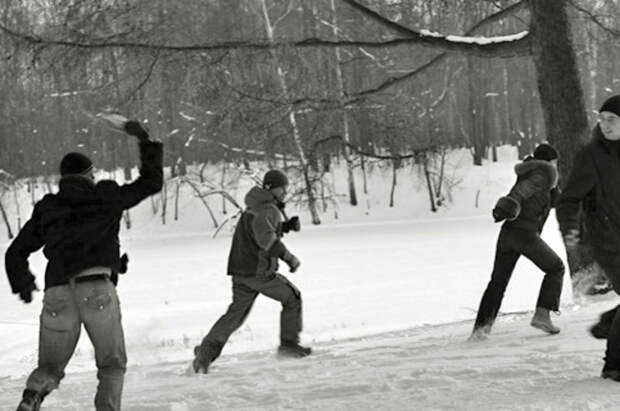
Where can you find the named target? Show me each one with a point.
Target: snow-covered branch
(390, 82)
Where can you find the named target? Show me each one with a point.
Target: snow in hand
(389, 300)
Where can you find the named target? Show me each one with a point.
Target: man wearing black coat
(78, 228)
(593, 188)
(525, 209)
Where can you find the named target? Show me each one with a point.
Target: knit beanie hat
(545, 152)
(612, 105)
(274, 179)
(75, 163)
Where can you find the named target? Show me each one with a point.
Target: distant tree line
(243, 80)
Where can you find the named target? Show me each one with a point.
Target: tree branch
(596, 19)
(508, 11)
(501, 47)
(358, 150)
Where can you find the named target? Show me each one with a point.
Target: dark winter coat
(79, 225)
(256, 245)
(593, 188)
(534, 191)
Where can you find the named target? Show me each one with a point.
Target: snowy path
(421, 368)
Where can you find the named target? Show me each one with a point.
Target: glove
(499, 214)
(292, 261)
(506, 208)
(292, 224)
(122, 268)
(571, 238)
(134, 128)
(26, 294)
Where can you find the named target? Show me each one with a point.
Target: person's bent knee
(111, 372)
(557, 270)
(292, 300)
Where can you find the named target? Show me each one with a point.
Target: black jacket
(534, 191)
(593, 188)
(257, 245)
(79, 225)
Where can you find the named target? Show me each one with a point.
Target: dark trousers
(610, 262)
(245, 290)
(65, 308)
(511, 244)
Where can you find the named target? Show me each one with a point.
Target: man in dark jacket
(525, 210)
(593, 188)
(253, 264)
(78, 228)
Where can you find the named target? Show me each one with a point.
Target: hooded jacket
(78, 226)
(533, 191)
(593, 188)
(256, 245)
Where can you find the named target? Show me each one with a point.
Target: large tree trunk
(559, 85)
(561, 95)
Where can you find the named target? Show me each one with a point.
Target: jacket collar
(599, 138)
(76, 188)
(529, 164)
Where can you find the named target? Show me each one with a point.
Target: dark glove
(506, 208)
(292, 224)
(499, 215)
(122, 268)
(26, 294)
(292, 261)
(133, 128)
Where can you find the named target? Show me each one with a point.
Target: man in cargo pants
(253, 264)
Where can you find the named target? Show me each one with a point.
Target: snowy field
(389, 298)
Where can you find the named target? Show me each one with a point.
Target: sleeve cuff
(278, 249)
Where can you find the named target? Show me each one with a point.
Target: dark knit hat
(545, 152)
(612, 105)
(75, 163)
(274, 179)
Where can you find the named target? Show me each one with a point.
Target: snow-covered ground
(389, 295)
(422, 368)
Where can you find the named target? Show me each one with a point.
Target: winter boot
(542, 321)
(201, 361)
(612, 374)
(599, 331)
(31, 401)
(293, 349)
(480, 333)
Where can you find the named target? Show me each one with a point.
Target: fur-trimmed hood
(530, 164)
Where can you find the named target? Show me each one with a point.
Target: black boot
(293, 349)
(31, 401)
(611, 373)
(201, 361)
(205, 354)
(599, 331)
